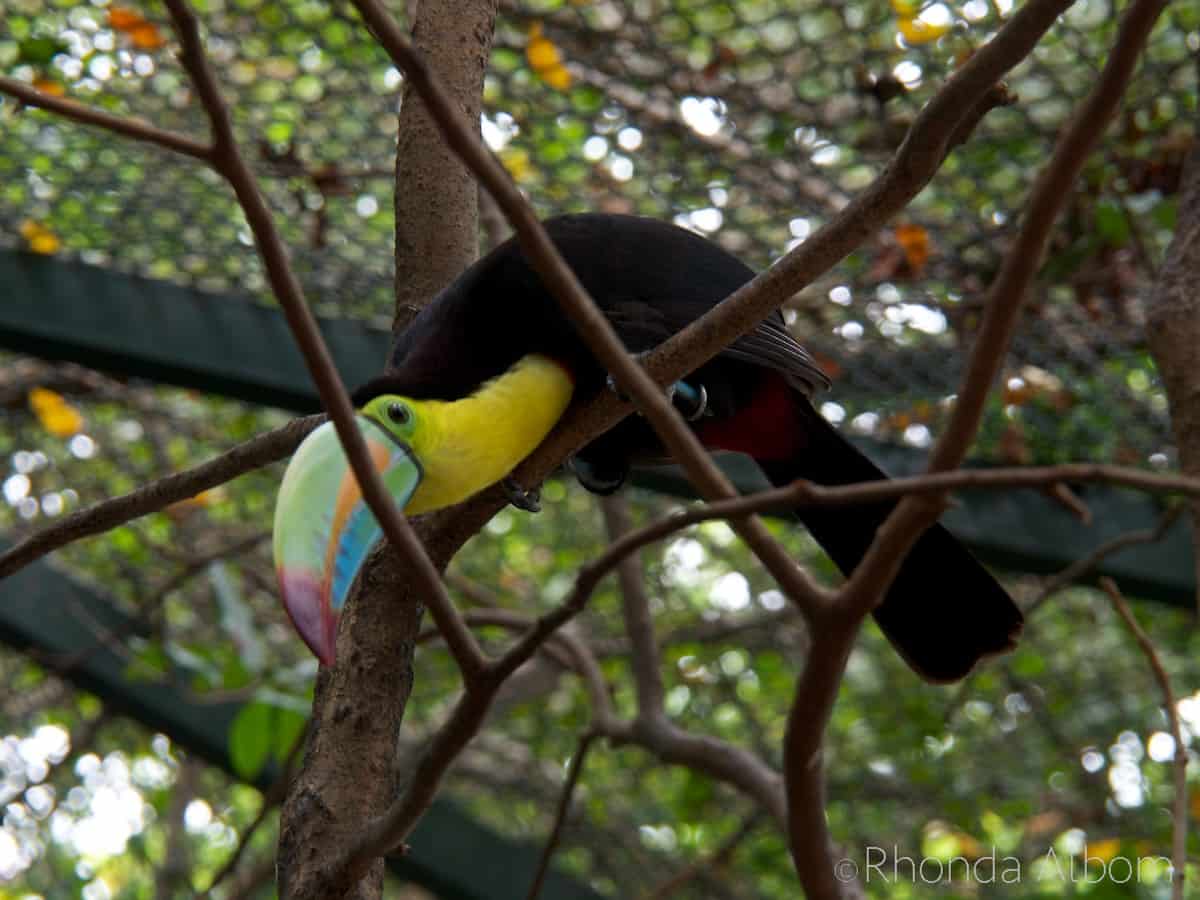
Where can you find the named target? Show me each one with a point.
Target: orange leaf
(914, 241)
(122, 19)
(147, 37)
(49, 86)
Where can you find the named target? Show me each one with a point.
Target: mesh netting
(749, 122)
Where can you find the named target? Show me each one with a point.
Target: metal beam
(62, 621)
(238, 348)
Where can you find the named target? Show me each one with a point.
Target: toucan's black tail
(944, 611)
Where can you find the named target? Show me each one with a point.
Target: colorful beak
(324, 530)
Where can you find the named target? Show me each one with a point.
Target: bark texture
(350, 770)
(1173, 331)
(437, 218)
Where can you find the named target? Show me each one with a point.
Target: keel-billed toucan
(482, 374)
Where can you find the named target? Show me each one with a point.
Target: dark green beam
(155, 330)
(60, 620)
(231, 346)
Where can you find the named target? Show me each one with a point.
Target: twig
(1180, 759)
(271, 798)
(108, 514)
(228, 161)
(635, 609)
(1082, 567)
(560, 816)
(719, 857)
(816, 690)
(124, 125)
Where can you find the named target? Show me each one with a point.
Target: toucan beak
(324, 530)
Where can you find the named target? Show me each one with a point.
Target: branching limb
(1180, 761)
(1082, 567)
(228, 161)
(635, 609)
(123, 125)
(259, 451)
(817, 688)
(595, 329)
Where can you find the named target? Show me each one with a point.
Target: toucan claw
(692, 402)
(530, 501)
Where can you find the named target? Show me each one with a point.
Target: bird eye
(399, 413)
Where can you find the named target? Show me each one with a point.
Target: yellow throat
(467, 445)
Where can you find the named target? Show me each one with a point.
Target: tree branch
(560, 816)
(259, 451)
(635, 608)
(228, 161)
(593, 327)
(1180, 759)
(123, 125)
(816, 691)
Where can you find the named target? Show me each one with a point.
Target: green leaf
(289, 725)
(250, 739)
(1111, 223)
(39, 51)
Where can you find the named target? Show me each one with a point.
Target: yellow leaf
(39, 238)
(1104, 850)
(557, 77)
(517, 162)
(546, 60)
(916, 31)
(55, 414)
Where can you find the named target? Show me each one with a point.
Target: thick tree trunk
(349, 772)
(1173, 330)
(437, 214)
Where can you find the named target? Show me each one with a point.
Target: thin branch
(123, 125)
(635, 609)
(1082, 567)
(1180, 759)
(271, 798)
(594, 328)
(560, 816)
(228, 161)
(816, 691)
(259, 451)
(717, 859)
(1005, 298)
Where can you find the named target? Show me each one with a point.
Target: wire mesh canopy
(750, 122)
(753, 122)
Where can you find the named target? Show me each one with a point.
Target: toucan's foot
(600, 477)
(530, 501)
(690, 400)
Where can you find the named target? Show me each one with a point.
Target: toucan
(483, 373)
